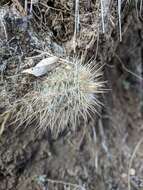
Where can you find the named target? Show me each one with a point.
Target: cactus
(62, 97)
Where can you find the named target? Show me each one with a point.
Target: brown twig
(19, 7)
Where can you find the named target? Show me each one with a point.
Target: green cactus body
(61, 98)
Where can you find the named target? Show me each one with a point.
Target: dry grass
(131, 160)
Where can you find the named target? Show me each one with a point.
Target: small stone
(124, 175)
(132, 171)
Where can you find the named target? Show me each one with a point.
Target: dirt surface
(105, 153)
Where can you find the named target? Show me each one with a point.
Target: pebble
(132, 172)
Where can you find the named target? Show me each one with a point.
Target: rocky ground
(105, 153)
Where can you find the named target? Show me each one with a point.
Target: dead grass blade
(131, 160)
(4, 117)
